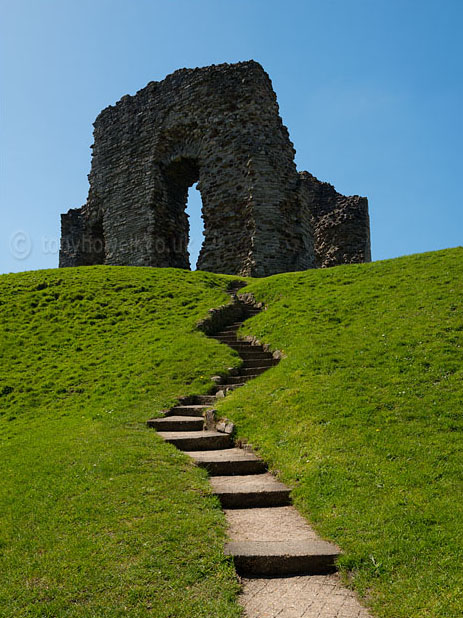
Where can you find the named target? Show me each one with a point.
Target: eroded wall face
(341, 224)
(219, 126)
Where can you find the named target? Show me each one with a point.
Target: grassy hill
(363, 418)
(98, 517)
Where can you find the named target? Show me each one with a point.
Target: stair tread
(190, 434)
(282, 523)
(281, 548)
(196, 440)
(253, 483)
(176, 419)
(252, 362)
(229, 454)
(206, 399)
(240, 378)
(193, 406)
(193, 410)
(230, 387)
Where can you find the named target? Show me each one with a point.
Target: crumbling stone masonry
(220, 126)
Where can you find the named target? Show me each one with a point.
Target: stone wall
(341, 225)
(218, 126)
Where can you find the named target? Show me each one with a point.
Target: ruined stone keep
(218, 126)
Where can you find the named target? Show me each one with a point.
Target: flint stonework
(218, 126)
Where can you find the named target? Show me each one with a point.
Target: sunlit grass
(98, 517)
(364, 420)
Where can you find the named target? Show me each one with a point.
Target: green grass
(364, 420)
(99, 517)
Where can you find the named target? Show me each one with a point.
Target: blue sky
(370, 90)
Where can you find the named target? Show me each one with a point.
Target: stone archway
(218, 125)
(179, 175)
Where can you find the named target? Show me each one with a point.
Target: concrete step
(204, 400)
(226, 338)
(177, 423)
(255, 354)
(240, 346)
(228, 387)
(258, 362)
(190, 410)
(283, 557)
(247, 346)
(228, 461)
(278, 523)
(256, 490)
(231, 328)
(253, 371)
(239, 379)
(197, 440)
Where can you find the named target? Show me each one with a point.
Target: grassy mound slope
(364, 419)
(98, 517)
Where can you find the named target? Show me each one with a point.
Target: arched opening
(183, 232)
(194, 210)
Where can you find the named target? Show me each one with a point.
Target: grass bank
(364, 419)
(98, 516)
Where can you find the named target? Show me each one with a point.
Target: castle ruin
(218, 126)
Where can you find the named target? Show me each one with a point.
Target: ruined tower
(218, 126)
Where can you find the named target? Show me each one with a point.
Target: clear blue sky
(370, 90)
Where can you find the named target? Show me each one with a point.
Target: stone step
(283, 557)
(228, 387)
(278, 523)
(259, 363)
(228, 461)
(190, 410)
(255, 354)
(204, 400)
(197, 440)
(239, 379)
(253, 371)
(177, 423)
(226, 338)
(256, 490)
(243, 346)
